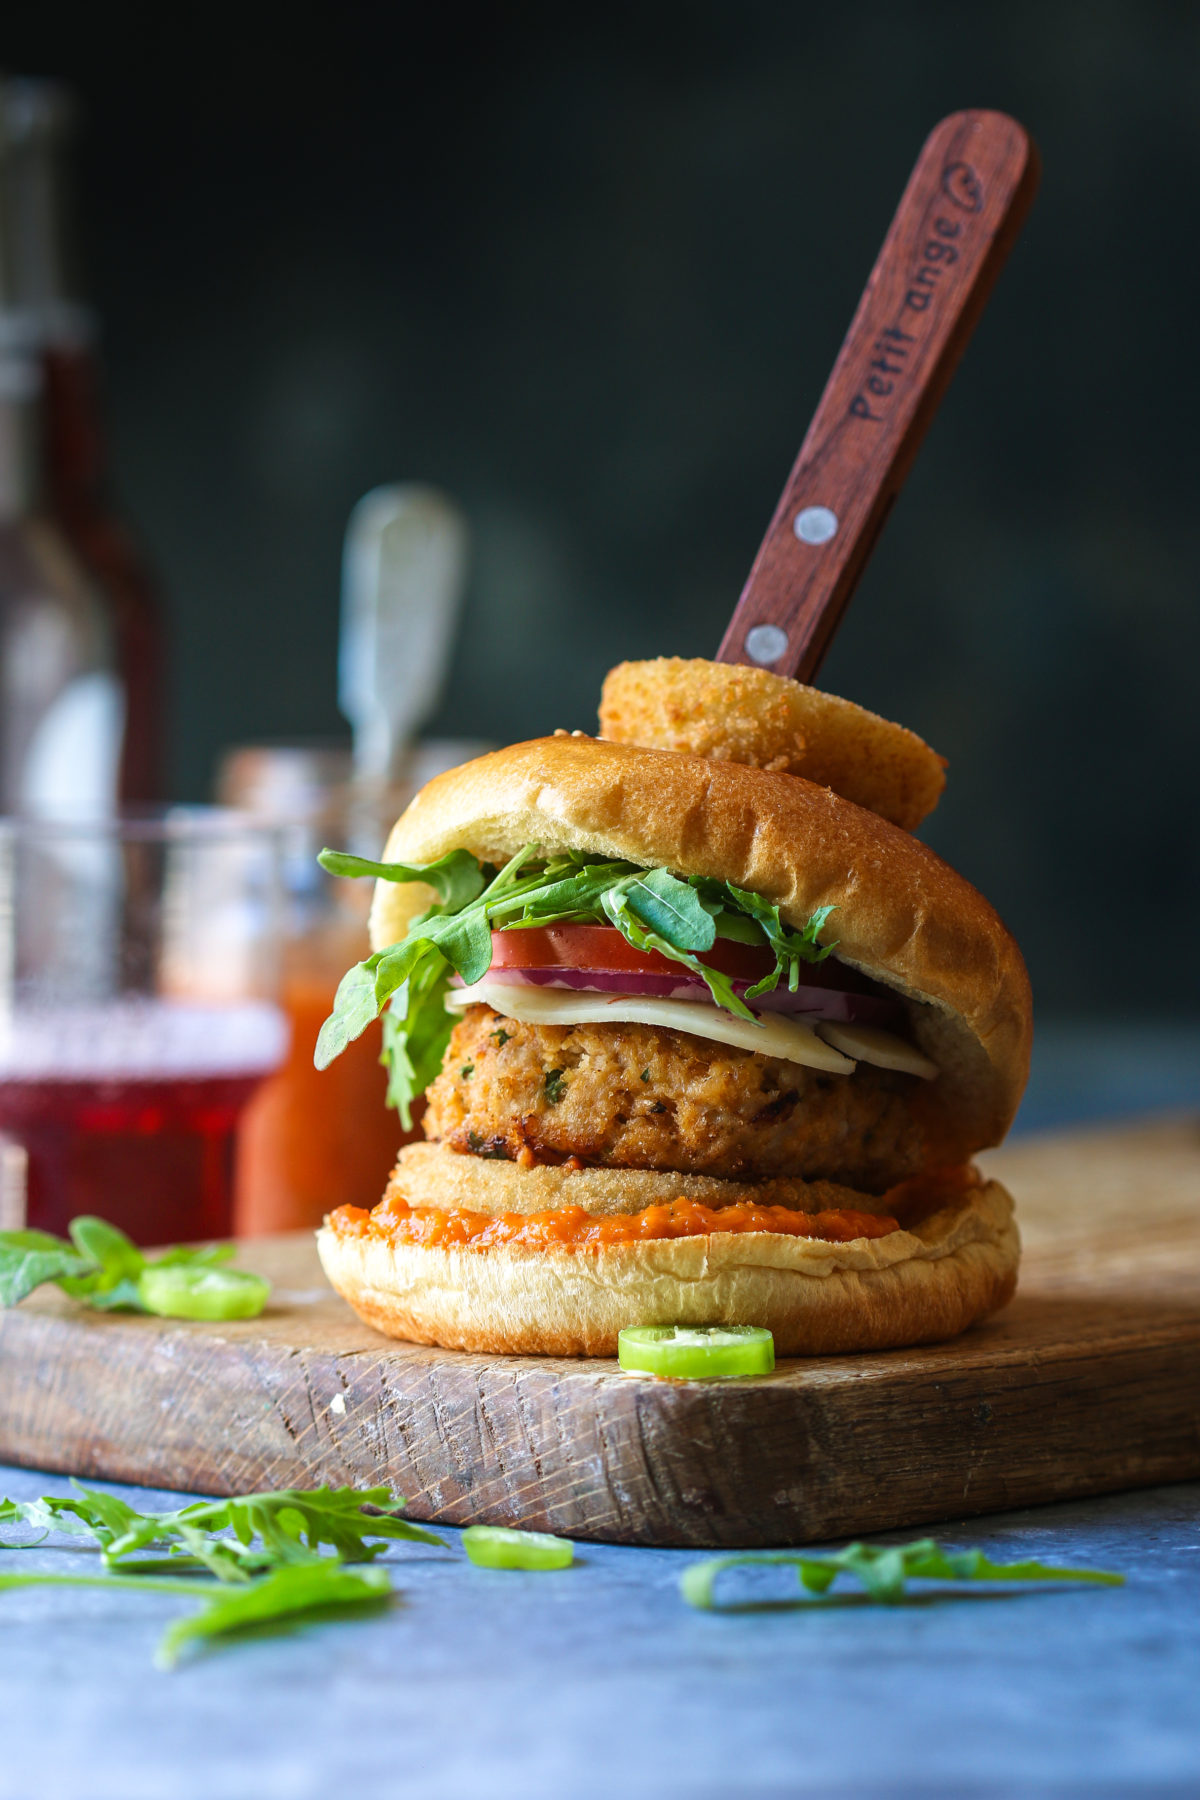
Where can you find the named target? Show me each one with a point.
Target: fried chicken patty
(643, 1097)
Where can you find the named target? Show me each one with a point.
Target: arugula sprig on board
(102, 1268)
(652, 909)
(884, 1570)
(254, 1560)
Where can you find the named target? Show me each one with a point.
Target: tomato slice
(602, 947)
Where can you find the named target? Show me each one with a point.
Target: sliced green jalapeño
(696, 1352)
(188, 1293)
(499, 1547)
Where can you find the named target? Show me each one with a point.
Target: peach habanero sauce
(394, 1221)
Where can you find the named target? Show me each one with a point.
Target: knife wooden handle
(964, 204)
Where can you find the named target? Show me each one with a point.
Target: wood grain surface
(1088, 1383)
(965, 202)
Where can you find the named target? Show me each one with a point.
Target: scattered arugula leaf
(289, 1523)
(652, 908)
(86, 1513)
(103, 1269)
(255, 1558)
(883, 1570)
(292, 1520)
(288, 1593)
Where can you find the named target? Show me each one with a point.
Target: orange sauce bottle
(311, 1140)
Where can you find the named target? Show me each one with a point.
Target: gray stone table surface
(599, 1681)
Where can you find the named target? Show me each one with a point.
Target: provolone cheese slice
(776, 1036)
(867, 1043)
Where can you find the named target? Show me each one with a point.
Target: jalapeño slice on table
(500, 1547)
(696, 1352)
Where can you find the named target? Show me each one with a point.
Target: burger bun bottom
(916, 1285)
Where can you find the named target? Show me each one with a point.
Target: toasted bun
(732, 713)
(910, 1287)
(904, 917)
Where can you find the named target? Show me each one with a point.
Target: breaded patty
(640, 1096)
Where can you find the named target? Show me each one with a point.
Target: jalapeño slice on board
(183, 1293)
(696, 1352)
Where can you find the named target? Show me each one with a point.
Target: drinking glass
(138, 1014)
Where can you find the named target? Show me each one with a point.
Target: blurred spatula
(404, 569)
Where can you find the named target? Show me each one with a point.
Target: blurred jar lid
(311, 787)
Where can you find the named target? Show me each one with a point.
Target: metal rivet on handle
(765, 643)
(815, 525)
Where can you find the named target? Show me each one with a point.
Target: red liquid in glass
(152, 1155)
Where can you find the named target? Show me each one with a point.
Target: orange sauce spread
(571, 1228)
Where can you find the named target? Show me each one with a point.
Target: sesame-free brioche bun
(912, 1286)
(903, 917)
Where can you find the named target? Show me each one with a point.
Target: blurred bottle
(42, 300)
(309, 1141)
(61, 710)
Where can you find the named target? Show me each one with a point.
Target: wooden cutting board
(1088, 1383)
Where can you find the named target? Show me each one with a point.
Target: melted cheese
(867, 1043)
(790, 1039)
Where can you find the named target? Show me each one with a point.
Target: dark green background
(588, 268)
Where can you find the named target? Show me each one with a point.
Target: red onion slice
(812, 1002)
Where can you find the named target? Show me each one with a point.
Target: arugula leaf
(670, 908)
(457, 878)
(791, 947)
(130, 1583)
(287, 1593)
(287, 1522)
(290, 1525)
(416, 1032)
(556, 896)
(619, 913)
(464, 939)
(87, 1513)
(354, 1006)
(29, 1258)
(883, 1570)
(112, 1284)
